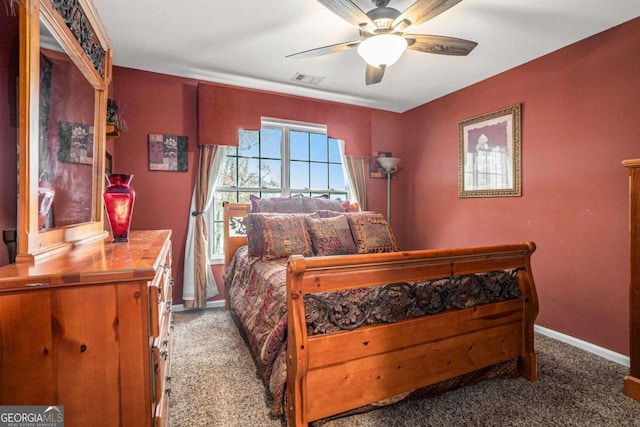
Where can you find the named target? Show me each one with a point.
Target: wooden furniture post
(632, 381)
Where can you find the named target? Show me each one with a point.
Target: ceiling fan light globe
(382, 49)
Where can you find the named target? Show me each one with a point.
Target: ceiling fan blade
(319, 51)
(374, 74)
(421, 11)
(351, 13)
(440, 45)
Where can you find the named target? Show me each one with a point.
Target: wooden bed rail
(332, 373)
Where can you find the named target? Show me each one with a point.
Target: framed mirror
(65, 70)
(489, 154)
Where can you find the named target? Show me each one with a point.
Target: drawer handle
(171, 282)
(159, 294)
(164, 354)
(165, 342)
(168, 391)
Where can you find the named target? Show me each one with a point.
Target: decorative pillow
(331, 236)
(314, 204)
(272, 236)
(371, 232)
(295, 204)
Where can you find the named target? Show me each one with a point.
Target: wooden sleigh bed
(339, 371)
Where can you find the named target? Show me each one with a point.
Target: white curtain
(355, 177)
(198, 281)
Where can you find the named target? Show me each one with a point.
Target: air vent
(310, 80)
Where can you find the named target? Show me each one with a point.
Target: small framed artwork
(374, 166)
(168, 152)
(75, 143)
(489, 154)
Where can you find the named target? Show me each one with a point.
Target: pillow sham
(331, 236)
(276, 204)
(295, 204)
(273, 236)
(314, 204)
(371, 232)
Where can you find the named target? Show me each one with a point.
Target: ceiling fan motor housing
(383, 17)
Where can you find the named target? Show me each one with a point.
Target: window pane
(336, 178)
(219, 198)
(218, 238)
(299, 145)
(266, 195)
(248, 172)
(271, 176)
(232, 151)
(243, 197)
(334, 151)
(319, 175)
(318, 148)
(228, 178)
(299, 175)
(248, 145)
(270, 142)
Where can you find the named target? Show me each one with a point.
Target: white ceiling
(244, 43)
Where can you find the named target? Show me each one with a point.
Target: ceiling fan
(382, 34)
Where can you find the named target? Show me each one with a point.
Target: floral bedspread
(258, 297)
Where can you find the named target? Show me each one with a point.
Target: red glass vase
(118, 201)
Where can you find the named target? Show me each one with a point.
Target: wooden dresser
(90, 330)
(632, 381)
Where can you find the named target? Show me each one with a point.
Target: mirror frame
(35, 244)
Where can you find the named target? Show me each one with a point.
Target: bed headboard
(235, 233)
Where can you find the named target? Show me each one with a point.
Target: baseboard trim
(210, 304)
(618, 358)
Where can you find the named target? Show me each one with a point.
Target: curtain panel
(198, 282)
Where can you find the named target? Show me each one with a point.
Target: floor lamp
(389, 165)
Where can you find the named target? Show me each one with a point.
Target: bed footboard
(333, 373)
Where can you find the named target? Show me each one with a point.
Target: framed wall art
(168, 153)
(75, 143)
(489, 154)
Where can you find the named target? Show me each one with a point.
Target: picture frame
(75, 143)
(374, 167)
(168, 153)
(490, 154)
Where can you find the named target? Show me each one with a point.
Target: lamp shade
(382, 49)
(389, 164)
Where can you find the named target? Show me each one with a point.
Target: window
(281, 159)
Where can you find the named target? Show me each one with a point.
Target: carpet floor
(215, 383)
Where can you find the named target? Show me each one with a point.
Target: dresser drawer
(163, 380)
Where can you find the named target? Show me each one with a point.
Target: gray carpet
(215, 384)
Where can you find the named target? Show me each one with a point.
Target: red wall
(157, 103)
(579, 121)
(8, 126)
